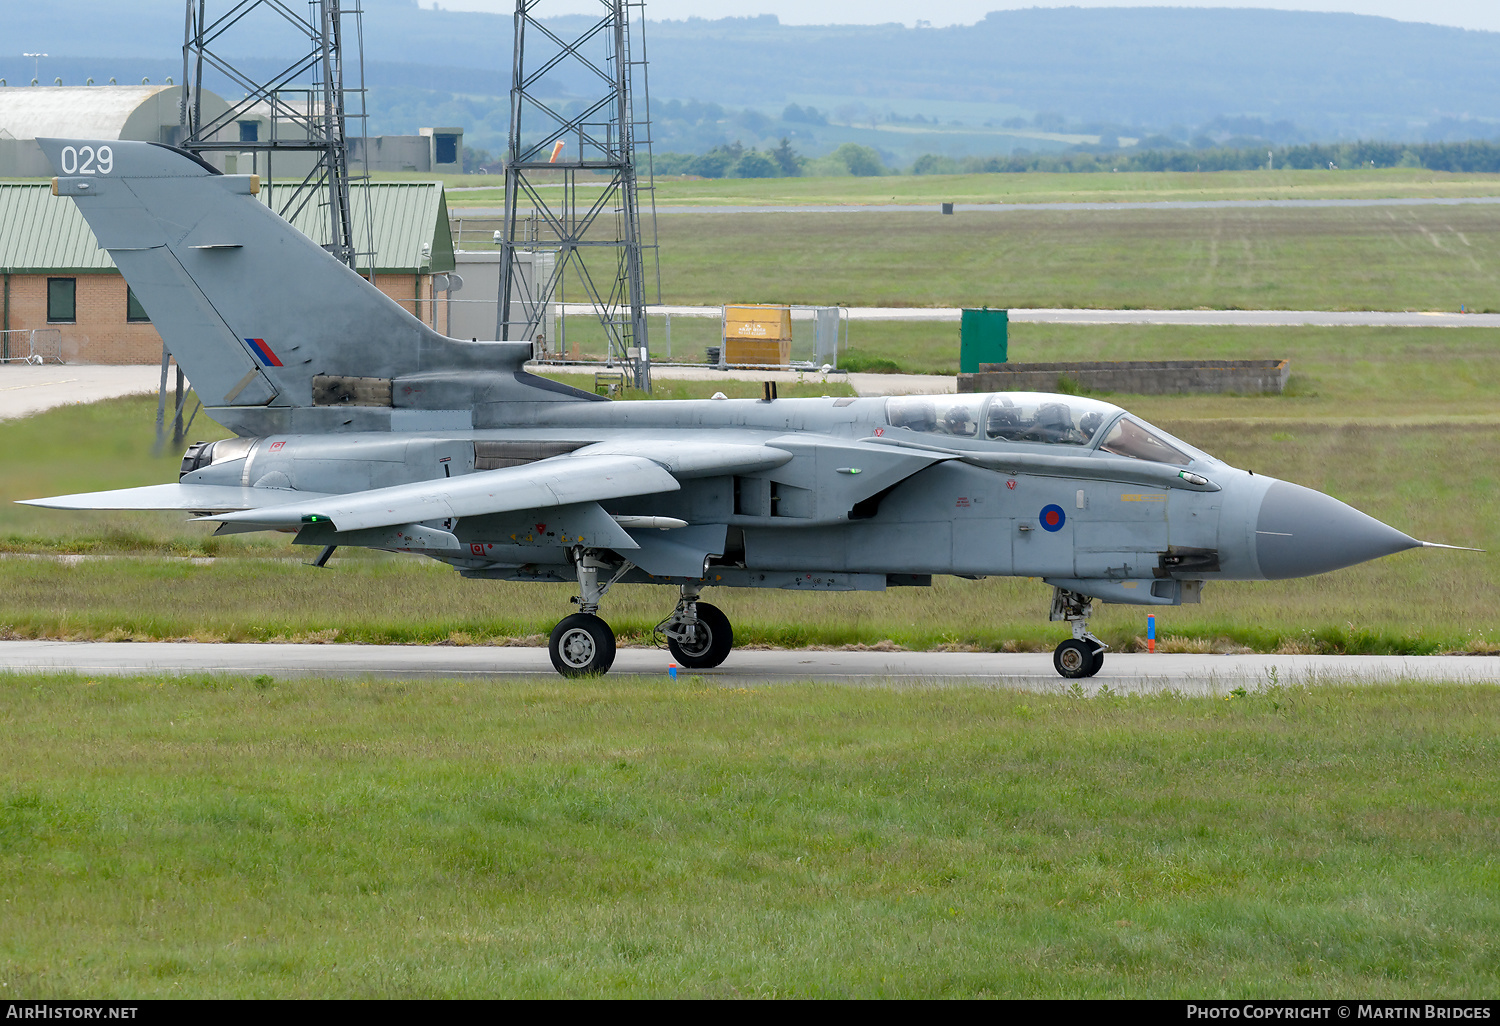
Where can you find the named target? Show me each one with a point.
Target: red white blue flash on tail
(263, 352)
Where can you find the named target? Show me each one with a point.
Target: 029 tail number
(86, 161)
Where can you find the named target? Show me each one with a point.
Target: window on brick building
(134, 311)
(62, 300)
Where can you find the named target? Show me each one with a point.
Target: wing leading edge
(200, 498)
(597, 473)
(553, 482)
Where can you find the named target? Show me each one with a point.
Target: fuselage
(1066, 488)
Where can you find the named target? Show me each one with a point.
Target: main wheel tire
(582, 645)
(714, 640)
(1075, 659)
(1098, 663)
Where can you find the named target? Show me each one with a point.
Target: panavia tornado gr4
(356, 424)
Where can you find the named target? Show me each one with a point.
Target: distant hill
(1039, 79)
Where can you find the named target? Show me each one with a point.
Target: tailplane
(263, 320)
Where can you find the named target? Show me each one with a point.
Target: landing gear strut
(698, 634)
(583, 645)
(1082, 655)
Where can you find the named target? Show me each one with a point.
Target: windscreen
(1130, 437)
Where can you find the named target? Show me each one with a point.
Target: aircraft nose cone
(1300, 532)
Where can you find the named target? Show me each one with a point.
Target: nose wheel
(1082, 655)
(1076, 658)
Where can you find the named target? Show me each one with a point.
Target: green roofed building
(56, 276)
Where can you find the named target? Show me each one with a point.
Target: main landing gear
(1082, 655)
(698, 635)
(583, 645)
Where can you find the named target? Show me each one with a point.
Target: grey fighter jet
(356, 424)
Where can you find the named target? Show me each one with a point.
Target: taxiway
(1125, 673)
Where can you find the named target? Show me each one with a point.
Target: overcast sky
(1470, 14)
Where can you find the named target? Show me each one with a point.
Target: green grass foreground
(223, 837)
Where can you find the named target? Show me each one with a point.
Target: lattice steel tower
(570, 148)
(307, 107)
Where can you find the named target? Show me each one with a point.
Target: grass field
(1135, 187)
(1390, 373)
(234, 838)
(1377, 258)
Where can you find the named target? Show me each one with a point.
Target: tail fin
(254, 310)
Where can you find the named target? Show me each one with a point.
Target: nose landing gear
(1082, 655)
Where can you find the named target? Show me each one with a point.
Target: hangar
(149, 113)
(152, 113)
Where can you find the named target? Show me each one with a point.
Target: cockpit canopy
(1039, 418)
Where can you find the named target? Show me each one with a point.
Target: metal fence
(31, 345)
(818, 334)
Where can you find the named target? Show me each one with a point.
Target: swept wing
(596, 473)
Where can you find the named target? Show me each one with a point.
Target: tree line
(1474, 156)
(737, 161)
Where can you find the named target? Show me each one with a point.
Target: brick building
(56, 276)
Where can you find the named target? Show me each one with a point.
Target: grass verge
(1388, 373)
(222, 837)
(1367, 258)
(1134, 187)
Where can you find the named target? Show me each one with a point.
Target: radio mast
(571, 181)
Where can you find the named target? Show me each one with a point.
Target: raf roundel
(1053, 518)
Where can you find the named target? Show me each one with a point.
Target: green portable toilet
(982, 338)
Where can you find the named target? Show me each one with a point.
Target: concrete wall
(394, 153)
(476, 305)
(1136, 377)
(387, 153)
(101, 334)
(451, 134)
(23, 158)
